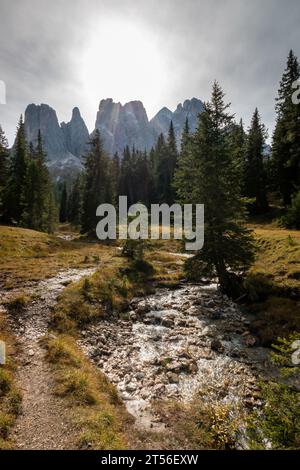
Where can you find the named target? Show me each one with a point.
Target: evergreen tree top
(3, 139)
(290, 75)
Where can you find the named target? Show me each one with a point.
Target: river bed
(175, 344)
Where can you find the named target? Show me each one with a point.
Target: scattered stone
(140, 375)
(250, 340)
(166, 351)
(173, 378)
(217, 346)
(130, 387)
(167, 322)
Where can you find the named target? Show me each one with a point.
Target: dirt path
(42, 423)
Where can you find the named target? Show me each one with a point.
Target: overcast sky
(70, 53)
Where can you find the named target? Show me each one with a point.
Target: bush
(6, 422)
(133, 249)
(61, 350)
(18, 304)
(202, 425)
(258, 287)
(278, 424)
(292, 217)
(196, 269)
(76, 385)
(5, 382)
(277, 316)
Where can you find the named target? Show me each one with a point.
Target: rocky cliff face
(189, 109)
(123, 125)
(63, 144)
(129, 125)
(43, 117)
(76, 134)
(119, 125)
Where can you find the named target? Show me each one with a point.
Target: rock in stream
(177, 343)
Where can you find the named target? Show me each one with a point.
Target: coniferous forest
(127, 344)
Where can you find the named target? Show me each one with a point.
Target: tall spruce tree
(115, 176)
(4, 164)
(286, 137)
(184, 178)
(39, 209)
(17, 177)
(97, 184)
(75, 201)
(63, 207)
(238, 138)
(228, 246)
(126, 183)
(255, 177)
(163, 175)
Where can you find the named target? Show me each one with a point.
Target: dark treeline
(141, 176)
(26, 190)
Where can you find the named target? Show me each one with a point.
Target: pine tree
(126, 183)
(172, 149)
(228, 246)
(75, 201)
(4, 165)
(254, 165)
(162, 171)
(184, 179)
(286, 137)
(143, 179)
(17, 177)
(238, 142)
(39, 209)
(97, 183)
(115, 176)
(63, 208)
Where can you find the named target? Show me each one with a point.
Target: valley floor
(92, 380)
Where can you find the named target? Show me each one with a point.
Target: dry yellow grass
(10, 397)
(278, 256)
(101, 419)
(27, 255)
(274, 283)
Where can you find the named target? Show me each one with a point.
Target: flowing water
(175, 344)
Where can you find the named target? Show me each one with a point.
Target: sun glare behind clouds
(122, 61)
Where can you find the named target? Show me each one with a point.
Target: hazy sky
(70, 53)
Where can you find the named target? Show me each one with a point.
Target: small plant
(133, 249)
(18, 304)
(284, 352)
(6, 422)
(75, 384)
(291, 241)
(5, 382)
(60, 350)
(292, 217)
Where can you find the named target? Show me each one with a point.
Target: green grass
(273, 283)
(196, 425)
(278, 258)
(10, 396)
(100, 418)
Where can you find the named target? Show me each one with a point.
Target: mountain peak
(76, 113)
(189, 109)
(119, 124)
